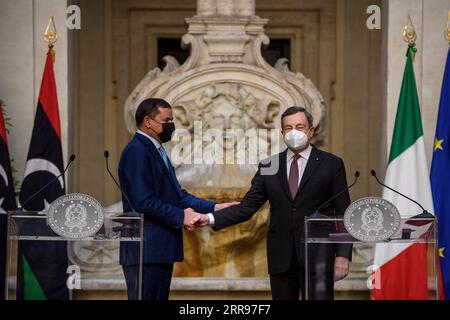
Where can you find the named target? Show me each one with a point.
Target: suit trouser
(288, 285)
(156, 279)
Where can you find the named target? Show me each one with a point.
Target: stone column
(245, 7)
(226, 7)
(206, 7)
(22, 58)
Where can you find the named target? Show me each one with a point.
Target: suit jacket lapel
(313, 163)
(173, 176)
(282, 174)
(157, 156)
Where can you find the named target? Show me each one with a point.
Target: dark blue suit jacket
(153, 190)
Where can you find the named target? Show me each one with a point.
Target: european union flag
(440, 178)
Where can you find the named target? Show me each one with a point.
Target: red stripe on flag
(48, 96)
(404, 277)
(2, 126)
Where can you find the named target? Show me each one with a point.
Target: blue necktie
(169, 167)
(164, 156)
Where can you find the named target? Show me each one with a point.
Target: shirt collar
(155, 142)
(304, 154)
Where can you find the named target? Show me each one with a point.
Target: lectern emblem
(75, 216)
(372, 219)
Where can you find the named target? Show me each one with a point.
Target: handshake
(193, 220)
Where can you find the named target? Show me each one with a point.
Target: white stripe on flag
(408, 173)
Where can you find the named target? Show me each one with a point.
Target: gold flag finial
(50, 35)
(447, 29)
(409, 33)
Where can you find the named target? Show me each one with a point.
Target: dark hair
(293, 110)
(149, 107)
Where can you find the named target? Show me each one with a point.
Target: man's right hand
(190, 219)
(203, 220)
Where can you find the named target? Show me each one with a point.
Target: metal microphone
(106, 154)
(337, 194)
(71, 159)
(374, 174)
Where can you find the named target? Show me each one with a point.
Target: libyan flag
(7, 200)
(42, 265)
(402, 272)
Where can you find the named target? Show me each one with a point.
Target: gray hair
(293, 110)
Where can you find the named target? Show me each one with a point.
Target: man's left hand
(221, 206)
(340, 268)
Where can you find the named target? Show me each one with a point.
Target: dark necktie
(293, 175)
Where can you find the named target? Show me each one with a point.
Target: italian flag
(402, 273)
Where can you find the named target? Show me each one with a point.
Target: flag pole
(447, 29)
(410, 37)
(51, 36)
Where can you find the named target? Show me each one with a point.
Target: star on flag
(438, 144)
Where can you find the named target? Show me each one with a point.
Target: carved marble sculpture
(225, 84)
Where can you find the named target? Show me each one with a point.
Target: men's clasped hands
(193, 220)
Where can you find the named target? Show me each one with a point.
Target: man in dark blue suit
(148, 179)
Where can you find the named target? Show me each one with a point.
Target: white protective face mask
(295, 139)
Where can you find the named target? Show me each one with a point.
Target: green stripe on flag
(32, 288)
(408, 124)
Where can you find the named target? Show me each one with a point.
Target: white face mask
(295, 139)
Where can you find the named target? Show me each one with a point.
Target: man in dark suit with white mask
(306, 178)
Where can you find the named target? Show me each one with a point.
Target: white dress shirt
(155, 142)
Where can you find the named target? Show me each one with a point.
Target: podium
(323, 232)
(29, 230)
